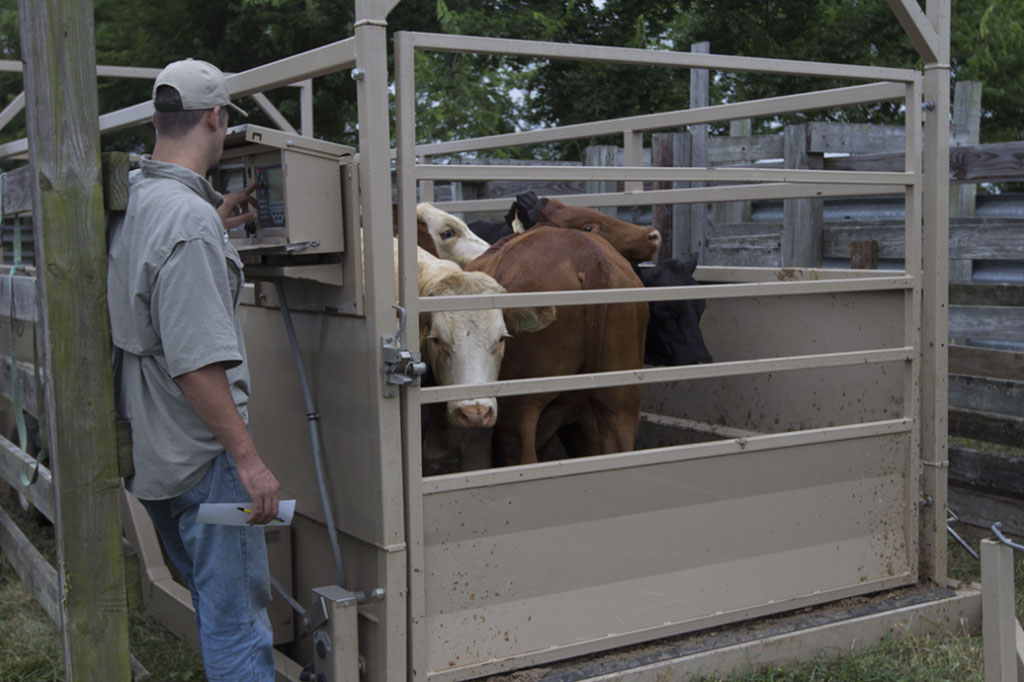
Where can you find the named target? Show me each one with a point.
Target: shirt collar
(191, 179)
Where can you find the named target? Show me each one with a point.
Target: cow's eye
(448, 234)
(588, 228)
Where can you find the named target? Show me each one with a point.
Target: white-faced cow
(446, 236)
(465, 347)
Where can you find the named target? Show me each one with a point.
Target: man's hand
(262, 487)
(233, 210)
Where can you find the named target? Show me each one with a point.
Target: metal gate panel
(526, 572)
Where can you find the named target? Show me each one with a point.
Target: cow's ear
(520, 320)
(551, 207)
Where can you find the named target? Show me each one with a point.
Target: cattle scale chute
(826, 392)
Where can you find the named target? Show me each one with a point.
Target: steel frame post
(388, 650)
(935, 302)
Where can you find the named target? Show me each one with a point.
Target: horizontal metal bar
(705, 291)
(466, 173)
(691, 195)
(578, 382)
(441, 42)
(769, 106)
(666, 455)
(319, 61)
(316, 62)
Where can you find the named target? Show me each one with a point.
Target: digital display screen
(274, 177)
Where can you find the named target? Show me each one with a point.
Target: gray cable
(313, 418)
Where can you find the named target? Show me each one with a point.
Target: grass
(30, 646)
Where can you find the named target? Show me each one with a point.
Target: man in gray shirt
(174, 282)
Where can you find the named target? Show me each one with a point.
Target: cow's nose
(475, 416)
(654, 236)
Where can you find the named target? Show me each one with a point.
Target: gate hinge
(401, 367)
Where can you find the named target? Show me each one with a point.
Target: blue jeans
(227, 573)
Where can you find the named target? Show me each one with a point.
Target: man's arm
(207, 391)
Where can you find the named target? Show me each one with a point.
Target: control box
(299, 195)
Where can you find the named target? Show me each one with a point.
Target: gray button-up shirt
(173, 287)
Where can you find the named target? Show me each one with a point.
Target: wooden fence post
(63, 132)
(699, 97)
(963, 196)
(602, 155)
(803, 220)
(735, 211)
(672, 220)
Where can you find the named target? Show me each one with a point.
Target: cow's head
(635, 243)
(673, 331)
(467, 346)
(525, 211)
(451, 238)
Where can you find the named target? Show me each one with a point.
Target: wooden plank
(853, 138)
(62, 112)
(602, 155)
(987, 471)
(991, 428)
(671, 150)
(986, 294)
(18, 191)
(40, 493)
(966, 116)
(734, 211)
(26, 384)
(1002, 162)
(32, 567)
(24, 290)
(662, 156)
(986, 394)
(864, 255)
(803, 220)
(970, 238)
(986, 362)
(744, 149)
(986, 322)
(998, 162)
(983, 509)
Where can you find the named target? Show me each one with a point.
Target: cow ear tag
(527, 324)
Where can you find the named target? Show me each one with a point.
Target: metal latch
(401, 367)
(335, 635)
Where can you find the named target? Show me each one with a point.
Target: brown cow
(591, 338)
(632, 241)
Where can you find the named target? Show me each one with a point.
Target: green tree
(469, 95)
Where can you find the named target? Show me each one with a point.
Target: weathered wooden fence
(986, 397)
(80, 491)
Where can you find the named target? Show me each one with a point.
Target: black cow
(673, 329)
(526, 209)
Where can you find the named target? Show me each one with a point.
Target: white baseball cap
(200, 84)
